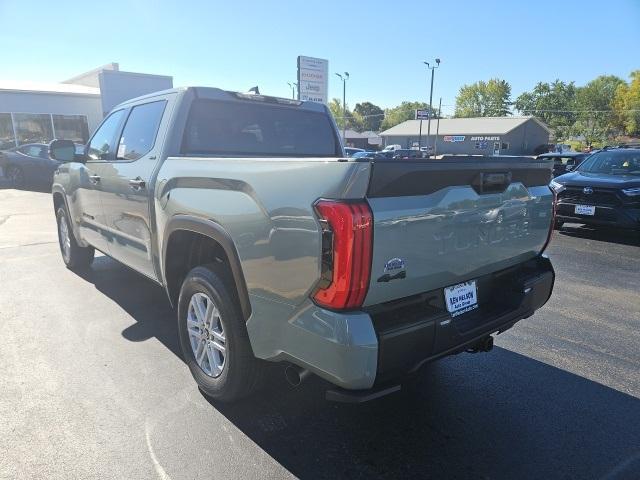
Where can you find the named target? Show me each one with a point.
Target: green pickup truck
(275, 247)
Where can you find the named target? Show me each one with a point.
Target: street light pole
(344, 105)
(293, 89)
(433, 69)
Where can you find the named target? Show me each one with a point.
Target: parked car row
(397, 154)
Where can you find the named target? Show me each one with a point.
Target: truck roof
(220, 94)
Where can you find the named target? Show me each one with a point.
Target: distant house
(473, 136)
(366, 140)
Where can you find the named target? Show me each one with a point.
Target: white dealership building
(32, 112)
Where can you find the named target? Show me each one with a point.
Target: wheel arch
(194, 230)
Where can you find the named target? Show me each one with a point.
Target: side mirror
(569, 168)
(62, 150)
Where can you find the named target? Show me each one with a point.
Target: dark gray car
(28, 165)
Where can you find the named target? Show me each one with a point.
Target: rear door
(438, 223)
(126, 186)
(86, 205)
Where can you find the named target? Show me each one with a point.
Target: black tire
(16, 177)
(242, 373)
(75, 257)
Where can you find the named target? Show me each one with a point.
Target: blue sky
(236, 45)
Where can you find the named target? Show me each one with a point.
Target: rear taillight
(553, 220)
(347, 236)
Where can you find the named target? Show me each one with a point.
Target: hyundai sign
(313, 79)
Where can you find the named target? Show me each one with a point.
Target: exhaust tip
(488, 344)
(295, 375)
(483, 345)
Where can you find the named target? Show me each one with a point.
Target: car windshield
(613, 162)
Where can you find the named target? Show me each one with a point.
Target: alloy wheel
(206, 334)
(65, 239)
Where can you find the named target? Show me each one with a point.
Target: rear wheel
(73, 255)
(214, 339)
(16, 176)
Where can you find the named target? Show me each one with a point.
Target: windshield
(613, 162)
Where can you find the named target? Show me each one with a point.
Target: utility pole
(433, 69)
(344, 79)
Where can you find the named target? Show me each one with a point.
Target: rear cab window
(255, 129)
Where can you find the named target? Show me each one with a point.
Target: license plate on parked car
(585, 210)
(461, 298)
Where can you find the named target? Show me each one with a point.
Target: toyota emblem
(587, 190)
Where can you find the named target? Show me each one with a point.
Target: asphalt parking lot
(92, 384)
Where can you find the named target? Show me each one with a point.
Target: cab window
(101, 144)
(139, 133)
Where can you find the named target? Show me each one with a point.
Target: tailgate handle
(494, 182)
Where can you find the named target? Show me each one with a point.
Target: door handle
(137, 183)
(94, 179)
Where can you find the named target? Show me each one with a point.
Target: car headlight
(632, 192)
(556, 186)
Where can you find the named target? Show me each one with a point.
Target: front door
(125, 185)
(86, 205)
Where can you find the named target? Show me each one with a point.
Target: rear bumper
(621, 216)
(419, 330)
(378, 346)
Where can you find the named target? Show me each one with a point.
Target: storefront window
(33, 128)
(71, 127)
(7, 139)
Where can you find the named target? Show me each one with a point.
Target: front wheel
(73, 255)
(214, 339)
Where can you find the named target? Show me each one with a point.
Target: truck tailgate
(441, 222)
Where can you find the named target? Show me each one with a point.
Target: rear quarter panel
(266, 206)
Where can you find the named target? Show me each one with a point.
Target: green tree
(484, 99)
(404, 111)
(352, 122)
(595, 119)
(554, 103)
(369, 116)
(626, 105)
